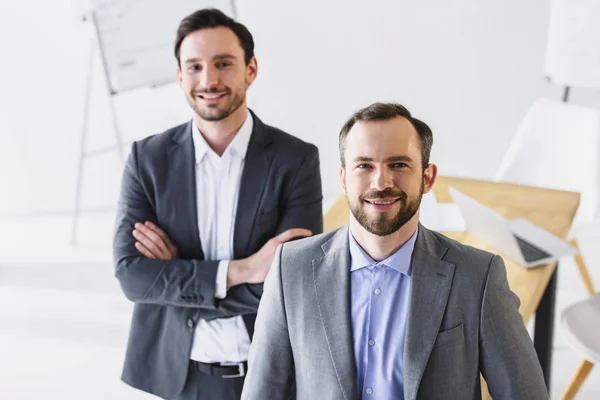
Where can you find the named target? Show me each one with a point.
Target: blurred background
(470, 69)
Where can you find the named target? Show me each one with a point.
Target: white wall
(468, 68)
(45, 53)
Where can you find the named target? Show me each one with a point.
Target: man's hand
(255, 268)
(153, 242)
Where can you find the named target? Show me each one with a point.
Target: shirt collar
(400, 260)
(239, 144)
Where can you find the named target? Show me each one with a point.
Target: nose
(209, 77)
(382, 179)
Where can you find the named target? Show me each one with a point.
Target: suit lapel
(254, 176)
(334, 307)
(431, 282)
(181, 190)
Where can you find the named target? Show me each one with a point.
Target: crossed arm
(151, 272)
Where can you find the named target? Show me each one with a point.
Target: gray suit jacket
(280, 189)
(463, 320)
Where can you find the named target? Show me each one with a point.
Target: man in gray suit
(384, 308)
(202, 210)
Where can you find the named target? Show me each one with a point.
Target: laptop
(520, 240)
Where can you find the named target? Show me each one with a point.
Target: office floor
(64, 321)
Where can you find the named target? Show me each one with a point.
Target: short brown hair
(213, 18)
(382, 112)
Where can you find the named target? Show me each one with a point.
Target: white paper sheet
(441, 217)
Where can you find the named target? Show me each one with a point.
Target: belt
(223, 370)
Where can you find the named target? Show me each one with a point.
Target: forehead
(381, 139)
(206, 43)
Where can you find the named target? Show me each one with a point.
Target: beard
(215, 112)
(382, 225)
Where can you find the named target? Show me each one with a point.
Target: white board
(136, 38)
(573, 45)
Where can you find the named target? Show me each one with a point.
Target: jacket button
(190, 323)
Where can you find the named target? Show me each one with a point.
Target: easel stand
(83, 153)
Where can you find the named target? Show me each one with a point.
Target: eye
(399, 165)
(363, 166)
(194, 67)
(222, 65)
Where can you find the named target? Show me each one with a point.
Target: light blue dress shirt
(380, 297)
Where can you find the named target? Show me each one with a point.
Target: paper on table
(441, 217)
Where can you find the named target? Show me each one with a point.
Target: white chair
(556, 147)
(580, 322)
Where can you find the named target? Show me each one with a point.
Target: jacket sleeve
(191, 283)
(303, 200)
(270, 362)
(182, 283)
(509, 362)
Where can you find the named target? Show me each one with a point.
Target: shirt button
(190, 323)
(377, 291)
(369, 391)
(371, 342)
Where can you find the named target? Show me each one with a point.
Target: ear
(429, 176)
(251, 70)
(343, 178)
(179, 77)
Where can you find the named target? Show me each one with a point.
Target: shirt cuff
(221, 286)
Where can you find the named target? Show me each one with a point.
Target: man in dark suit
(203, 207)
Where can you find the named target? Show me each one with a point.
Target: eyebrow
(223, 56)
(389, 159)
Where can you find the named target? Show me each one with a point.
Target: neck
(381, 247)
(220, 134)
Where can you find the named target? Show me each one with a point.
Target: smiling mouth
(382, 202)
(212, 96)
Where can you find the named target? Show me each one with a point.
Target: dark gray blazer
(280, 189)
(463, 319)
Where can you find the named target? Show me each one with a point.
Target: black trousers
(200, 386)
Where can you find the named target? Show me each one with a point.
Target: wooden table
(553, 210)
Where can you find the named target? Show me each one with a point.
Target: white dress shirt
(217, 190)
